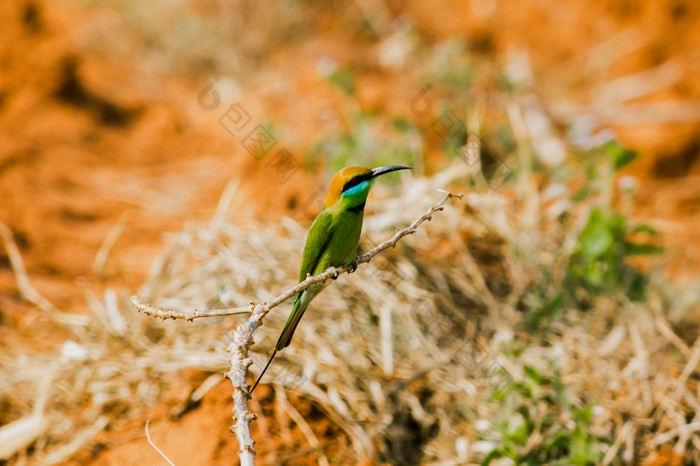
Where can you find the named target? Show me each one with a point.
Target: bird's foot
(335, 273)
(353, 266)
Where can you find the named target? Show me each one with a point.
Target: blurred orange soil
(92, 146)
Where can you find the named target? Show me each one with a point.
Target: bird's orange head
(353, 183)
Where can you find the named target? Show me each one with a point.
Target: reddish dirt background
(91, 140)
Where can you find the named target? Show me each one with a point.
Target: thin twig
(155, 447)
(621, 437)
(74, 321)
(103, 253)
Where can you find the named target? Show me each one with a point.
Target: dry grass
(420, 354)
(423, 353)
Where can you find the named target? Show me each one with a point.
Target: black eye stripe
(356, 180)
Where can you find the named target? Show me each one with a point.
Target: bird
(332, 239)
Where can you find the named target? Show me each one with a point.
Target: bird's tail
(263, 371)
(287, 333)
(300, 306)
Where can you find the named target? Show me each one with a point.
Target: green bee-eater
(333, 238)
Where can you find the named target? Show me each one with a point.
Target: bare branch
(243, 335)
(189, 316)
(242, 340)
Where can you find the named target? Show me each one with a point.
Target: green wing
(316, 242)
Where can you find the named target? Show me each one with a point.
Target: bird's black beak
(388, 169)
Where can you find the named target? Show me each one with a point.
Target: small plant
(538, 424)
(598, 263)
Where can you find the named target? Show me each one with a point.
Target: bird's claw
(352, 266)
(335, 273)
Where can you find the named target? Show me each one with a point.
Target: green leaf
(560, 440)
(581, 194)
(643, 228)
(344, 78)
(492, 455)
(640, 249)
(617, 225)
(401, 124)
(596, 239)
(549, 310)
(619, 155)
(519, 435)
(534, 374)
(584, 415)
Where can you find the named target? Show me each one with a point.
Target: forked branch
(243, 335)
